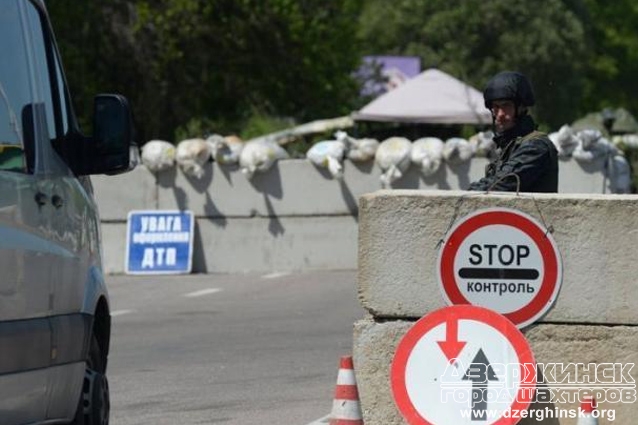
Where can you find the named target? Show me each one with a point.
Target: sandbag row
(393, 155)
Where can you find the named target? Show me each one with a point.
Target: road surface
(228, 349)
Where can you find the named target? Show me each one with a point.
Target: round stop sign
(501, 259)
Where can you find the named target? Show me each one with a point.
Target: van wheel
(94, 405)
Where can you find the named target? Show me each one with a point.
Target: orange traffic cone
(586, 415)
(346, 409)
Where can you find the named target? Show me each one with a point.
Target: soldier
(527, 160)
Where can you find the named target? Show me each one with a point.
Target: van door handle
(40, 199)
(57, 201)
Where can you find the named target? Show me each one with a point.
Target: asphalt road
(228, 349)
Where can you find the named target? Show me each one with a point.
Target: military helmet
(509, 85)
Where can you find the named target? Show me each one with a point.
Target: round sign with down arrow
(463, 365)
(501, 259)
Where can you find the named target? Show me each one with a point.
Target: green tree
(474, 39)
(613, 40)
(212, 61)
(98, 52)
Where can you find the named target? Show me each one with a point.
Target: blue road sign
(159, 242)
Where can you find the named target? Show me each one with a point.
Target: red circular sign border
(459, 312)
(502, 216)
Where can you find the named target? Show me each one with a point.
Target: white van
(54, 309)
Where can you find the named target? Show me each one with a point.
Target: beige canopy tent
(432, 97)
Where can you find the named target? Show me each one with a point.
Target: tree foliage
(213, 60)
(474, 39)
(611, 76)
(214, 64)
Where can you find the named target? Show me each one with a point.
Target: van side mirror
(113, 149)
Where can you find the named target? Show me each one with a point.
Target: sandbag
(393, 157)
(592, 146)
(191, 155)
(258, 156)
(427, 154)
(358, 150)
(225, 150)
(457, 151)
(158, 155)
(483, 143)
(328, 154)
(565, 141)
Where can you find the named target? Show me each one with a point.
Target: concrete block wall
(594, 320)
(376, 342)
(293, 217)
(596, 234)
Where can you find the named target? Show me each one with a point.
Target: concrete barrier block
(583, 177)
(117, 195)
(113, 247)
(373, 350)
(597, 235)
(275, 244)
(293, 188)
(375, 345)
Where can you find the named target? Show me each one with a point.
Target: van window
(26, 107)
(62, 97)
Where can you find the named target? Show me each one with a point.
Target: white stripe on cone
(346, 409)
(587, 419)
(346, 377)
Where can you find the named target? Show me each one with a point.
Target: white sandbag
(631, 140)
(393, 157)
(358, 150)
(565, 141)
(483, 143)
(191, 155)
(225, 150)
(259, 156)
(427, 154)
(158, 155)
(626, 140)
(457, 150)
(363, 150)
(592, 146)
(214, 141)
(620, 175)
(589, 138)
(617, 139)
(328, 154)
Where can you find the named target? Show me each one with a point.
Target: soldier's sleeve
(529, 161)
